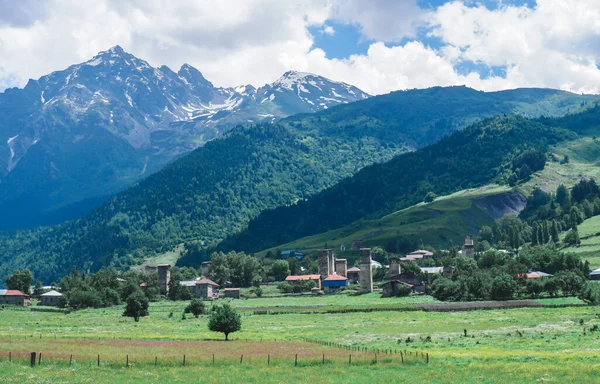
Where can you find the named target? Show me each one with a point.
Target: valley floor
(503, 345)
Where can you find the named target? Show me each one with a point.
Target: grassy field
(589, 232)
(509, 345)
(441, 224)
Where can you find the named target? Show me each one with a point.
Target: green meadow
(503, 345)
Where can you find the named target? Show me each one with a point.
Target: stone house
(353, 275)
(231, 293)
(206, 289)
(51, 298)
(14, 297)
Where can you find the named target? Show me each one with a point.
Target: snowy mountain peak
(288, 79)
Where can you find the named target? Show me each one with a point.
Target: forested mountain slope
(506, 149)
(217, 189)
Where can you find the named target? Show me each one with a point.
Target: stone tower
(366, 273)
(341, 267)
(394, 267)
(468, 248)
(325, 263)
(164, 277)
(206, 268)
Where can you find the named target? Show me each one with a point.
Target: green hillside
(216, 190)
(494, 150)
(442, 223)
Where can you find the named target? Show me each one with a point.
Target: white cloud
(384, 20)
(328, 30)
(556, 44)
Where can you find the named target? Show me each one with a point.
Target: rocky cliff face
(497, 206)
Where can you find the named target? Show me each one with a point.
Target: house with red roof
(297, 278)
(14, 297)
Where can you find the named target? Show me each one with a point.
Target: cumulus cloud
(384, 20)
(556, 44)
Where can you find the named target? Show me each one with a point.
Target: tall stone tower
(366, 273)
(326, 266)
(394, 267)
(341, 267)
(164, 277)
(468, 248)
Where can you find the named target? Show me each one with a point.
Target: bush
(445, 289)
(429, 197)
(403, 290)
(196, 308)
(572, 237)
(285, 287)
(258, 292)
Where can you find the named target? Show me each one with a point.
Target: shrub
(196, 308)
(285, 287)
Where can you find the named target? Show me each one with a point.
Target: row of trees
(498, 276)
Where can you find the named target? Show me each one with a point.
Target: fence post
(241, 358)
(375, 358)
(296, 360)
(350, 359)
(9, 357)
(213, 359)
(268, 359)
(402, 357)
(323, 358)
(98, 360)
(70, 360)
(40, 358)
(127, 361)
(184, 360)
(33, 356)
(427, 357)
(155, 361)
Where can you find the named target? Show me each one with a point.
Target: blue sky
(377, 45)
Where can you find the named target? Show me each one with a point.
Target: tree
(38, 289)
(20, 280)
(554, 232)
(570, 282)
(563, 198)
(486, 234)
(280, 270)
(503, 287)
(137, 305)
(572, 237)
(429, 197)
(196, 308)
(224, 319)
(534, 287)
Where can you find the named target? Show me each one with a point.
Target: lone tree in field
(196, 308)
(224, 319)
(137, 305)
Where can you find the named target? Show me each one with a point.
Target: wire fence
(357, 358)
